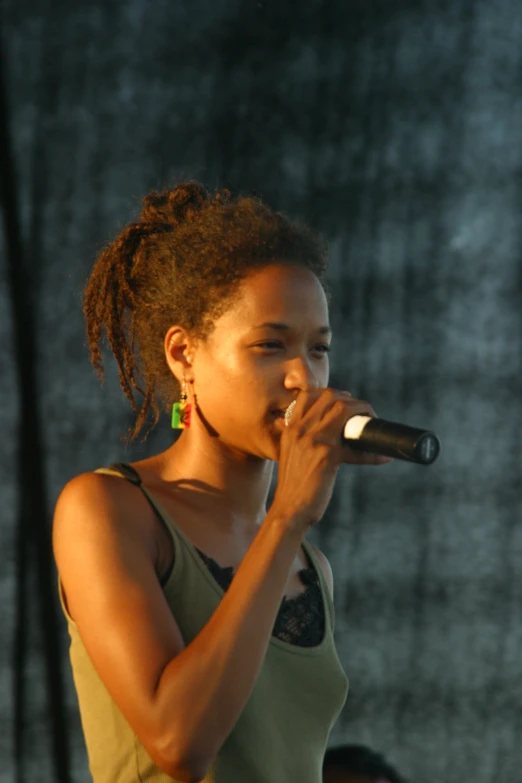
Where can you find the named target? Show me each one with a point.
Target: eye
(323, 348)
(269, 344)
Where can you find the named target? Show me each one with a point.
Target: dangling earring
(181, 410)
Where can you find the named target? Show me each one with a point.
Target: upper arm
(325, 567)
(106, 565)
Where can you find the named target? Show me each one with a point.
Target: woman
(201, 622)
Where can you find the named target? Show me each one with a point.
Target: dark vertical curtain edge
(33, 534)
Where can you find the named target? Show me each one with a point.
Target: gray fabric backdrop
(396, 129)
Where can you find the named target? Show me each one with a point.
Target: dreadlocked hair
(180, 263)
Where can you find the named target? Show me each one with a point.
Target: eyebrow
(285, 327)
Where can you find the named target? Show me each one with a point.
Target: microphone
(366, 433)
(387, 438)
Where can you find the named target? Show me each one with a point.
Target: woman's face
(271, 343)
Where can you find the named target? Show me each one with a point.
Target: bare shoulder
(97, 501)
(325, 566)
(98, 487)
(90, 488)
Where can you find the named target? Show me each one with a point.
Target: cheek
(322, 374)
(225, 377)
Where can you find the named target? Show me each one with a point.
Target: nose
(300, 375)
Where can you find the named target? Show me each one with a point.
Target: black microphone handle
(366, 433)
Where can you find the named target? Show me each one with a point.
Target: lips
(283, 413)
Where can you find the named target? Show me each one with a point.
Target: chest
(226, 548)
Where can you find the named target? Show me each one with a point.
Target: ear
(179, 352)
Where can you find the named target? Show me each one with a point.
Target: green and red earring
(181, 410)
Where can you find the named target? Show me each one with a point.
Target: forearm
(203, 690)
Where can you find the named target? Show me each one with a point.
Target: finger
(329, 425)
(306, 404)
(315, 404)
(298, 406)
(332, 423)
(328, 399)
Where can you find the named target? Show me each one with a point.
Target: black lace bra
(299, 621)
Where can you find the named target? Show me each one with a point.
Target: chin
(268, 444)
(274, 449)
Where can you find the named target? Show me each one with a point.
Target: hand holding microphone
(311, 452)
(325, 428)
(377, 436)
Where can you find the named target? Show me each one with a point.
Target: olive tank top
(281, 734)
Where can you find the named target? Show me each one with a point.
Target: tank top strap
(123, 469)
(126, 471)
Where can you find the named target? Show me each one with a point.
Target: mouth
(283, 413)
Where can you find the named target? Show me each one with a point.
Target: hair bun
(175, 206)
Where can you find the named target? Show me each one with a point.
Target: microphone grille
(289, 411)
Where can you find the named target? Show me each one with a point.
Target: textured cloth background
(395, 128)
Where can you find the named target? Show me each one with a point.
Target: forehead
(284, 293)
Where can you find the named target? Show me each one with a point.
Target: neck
(236, 485)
